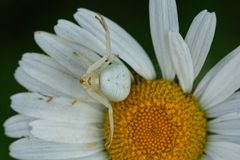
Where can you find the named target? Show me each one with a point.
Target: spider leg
(107, 58)
(103, 100)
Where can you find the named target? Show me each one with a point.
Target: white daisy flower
(165, 118)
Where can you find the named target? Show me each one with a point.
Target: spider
(107, 79)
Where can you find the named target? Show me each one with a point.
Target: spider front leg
(94, 71)
(101, 63)
(103, 100)
(108, 57)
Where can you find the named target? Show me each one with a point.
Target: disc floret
(158, 121)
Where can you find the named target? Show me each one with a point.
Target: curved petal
(205, 157)
(35, 149)
(182, 61)
(223, 150)
(33, 85)
(230, 105)
(17, 126)
(59, 109)
(163, 17)
(199, 38)
(99, 156)
(224, 138)
(79, 35)
(122, 43)
(82, 37)
(51, 76)
(74, 57)
(226, 125)
(221, 81)
(72, 133)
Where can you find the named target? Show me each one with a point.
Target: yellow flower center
(157, 122)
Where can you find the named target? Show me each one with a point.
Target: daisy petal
(230, 105)
(199, 38)
(34, 85)
(226, 125)
(83, 39)
(182, 61)
(17, 126)
(66, 132)
(224, 138)
(35, 149)
(221, 81)
(122, 43)
(57, 108)
(65, 53)
(98, 156)
(51, 76)
(75, 33)
(223, 150)
(87, 43)
(205, 157)
(163, 17)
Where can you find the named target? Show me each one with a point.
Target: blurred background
(20, 18)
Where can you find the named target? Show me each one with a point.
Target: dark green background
(20, 18)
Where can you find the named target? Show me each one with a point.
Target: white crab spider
(107, 80)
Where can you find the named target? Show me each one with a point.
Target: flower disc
(157, 121)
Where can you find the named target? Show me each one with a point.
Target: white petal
(199, 38)
(163, 17)
(224, 138)
(231, 104)
(34, 85)
(97, 156)
(223, 150)
(62, 51)
(35, 149)
(221, 81)
(52, 77)
(226, 125)
(83, 39)
(41, 58)
(230, 116)
(17, 126)
(122, 43)
(75, 33)
(57, 108)
(182, 61)
(206, 157)
(86, 56)
(66, 132)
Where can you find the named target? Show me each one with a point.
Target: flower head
(165, 118)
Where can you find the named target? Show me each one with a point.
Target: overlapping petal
(163, 18)
(182, 61)
(35, 149)
(122, 43)
(199, 38)
(221, 81)
(45, 74)
(60, 109)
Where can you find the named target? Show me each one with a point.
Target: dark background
(20, 18)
